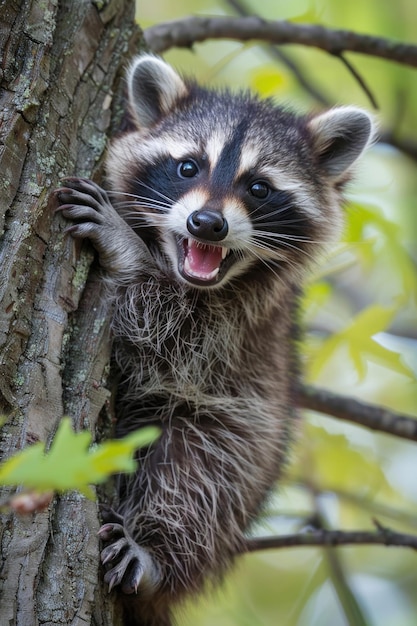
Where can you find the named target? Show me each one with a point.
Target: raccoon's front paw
(88, 206)
(130, 565)
(94, 217)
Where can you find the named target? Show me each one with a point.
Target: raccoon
(219, 203)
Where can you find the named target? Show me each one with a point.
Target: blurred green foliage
(361, 334)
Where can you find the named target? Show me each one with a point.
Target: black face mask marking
(227, 166)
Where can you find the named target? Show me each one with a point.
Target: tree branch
(333, 538)
(358, 412)
(188, 31)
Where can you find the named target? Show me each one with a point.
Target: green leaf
(330, 462)
(376, 237)
(322, 354)
(315, 296)
(359, 339)
(71, 463)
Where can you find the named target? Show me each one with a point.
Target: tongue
(201, 260)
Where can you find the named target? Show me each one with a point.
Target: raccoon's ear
(153, 89)
(340, 136)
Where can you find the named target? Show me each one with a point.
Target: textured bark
(60, 66)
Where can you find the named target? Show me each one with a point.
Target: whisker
(254, 217)
(121, 193)
(268, 264)
(144, 201)
(158, 193)
(283, 237)
(265, 234)
(265, 221)
(137, 209)
(284, 244)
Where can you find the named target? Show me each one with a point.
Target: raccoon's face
(215, 216)
(221, 183)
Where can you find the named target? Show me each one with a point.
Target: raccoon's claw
(87, 205)
(110, 531)
(94, 217)
(130, 565)
(127, 572)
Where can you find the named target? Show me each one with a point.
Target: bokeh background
(359, 312)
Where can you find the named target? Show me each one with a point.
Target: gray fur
(212, 362)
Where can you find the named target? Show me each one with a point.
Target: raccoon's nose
(207, 224)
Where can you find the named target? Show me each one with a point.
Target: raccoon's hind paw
(131, 566)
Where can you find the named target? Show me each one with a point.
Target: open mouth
(201, 263)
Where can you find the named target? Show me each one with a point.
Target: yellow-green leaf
(380, 238)
(330, 462)
(71, 463)
(362, 346)
(316, 295)
(269, 80)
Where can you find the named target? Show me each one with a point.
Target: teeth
(199, 244)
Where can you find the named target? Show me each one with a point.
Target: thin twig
(358, 412)
(294, 68)
(361, 82)
(186, 32)
(333, 538)
(282, 57)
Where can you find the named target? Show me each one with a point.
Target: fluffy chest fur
(204, 350)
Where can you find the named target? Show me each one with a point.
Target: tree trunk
(60, 65)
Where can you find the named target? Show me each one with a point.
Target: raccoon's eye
(259, 190)
(187, 169)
